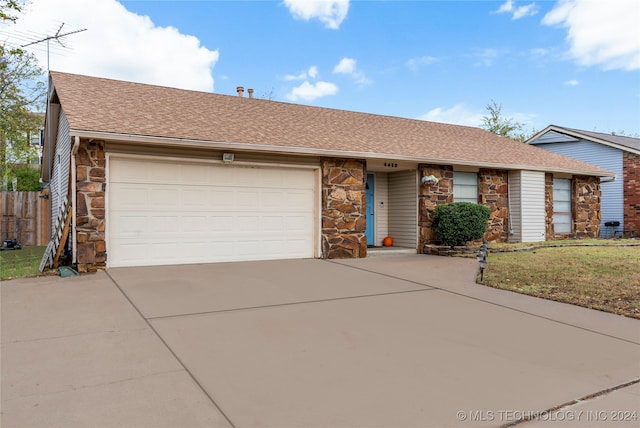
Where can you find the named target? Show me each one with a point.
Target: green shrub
(460, 222)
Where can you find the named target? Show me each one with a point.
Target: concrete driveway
(395, 341)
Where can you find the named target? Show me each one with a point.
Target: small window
(465, 187)
(561, 205)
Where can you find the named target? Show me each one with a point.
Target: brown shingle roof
(97, 105)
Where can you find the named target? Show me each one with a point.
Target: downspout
(74, 236)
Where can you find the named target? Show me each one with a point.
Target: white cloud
(505, 7)
(117, 44)
(311, 73)
(522, 11)
(572, 82)
(346, 65)
(309, 92)
(539, 52)
(600, 32)
(457, 115)
(517, 12)
(349, 66)
(485, 57)
(414, 63)
(330, 12)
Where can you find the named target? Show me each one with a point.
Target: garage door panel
(272, 224)
(164, 212)
(247, 200)
(246, 223)
(298, 200)
(161, 224)
(127, 171)
(128, 197)
(131, 252)
(129, 225)
(194, 198)
(220, 223)
(193, 224)
(297, 223)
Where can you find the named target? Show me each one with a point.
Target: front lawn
(605, 277)
(20, 263)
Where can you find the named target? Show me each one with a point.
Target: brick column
(548, 206)
(90, 211)
(431, 195)
(586, 206)
(631, 177)
(343, 209)
(494, 193)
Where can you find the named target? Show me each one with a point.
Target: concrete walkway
(395, 341)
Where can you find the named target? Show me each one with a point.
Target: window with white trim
(465, 187)
(562, 205)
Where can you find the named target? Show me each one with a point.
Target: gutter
(222, 145)
(74, 236)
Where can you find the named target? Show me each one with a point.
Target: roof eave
(225, 145)
(582, 136)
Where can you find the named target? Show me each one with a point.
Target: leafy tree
(8, 8)
(22, 91)
(498, 124)
(27, 178)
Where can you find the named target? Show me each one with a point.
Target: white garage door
(176, 213)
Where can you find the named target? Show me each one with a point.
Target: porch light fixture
(227, 157)
(430, 179)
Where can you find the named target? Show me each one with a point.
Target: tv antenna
(55, 37)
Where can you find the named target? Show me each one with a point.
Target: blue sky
(573, 63)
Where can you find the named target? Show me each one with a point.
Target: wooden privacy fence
(24, 216)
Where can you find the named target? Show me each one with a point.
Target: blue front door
(371, 224)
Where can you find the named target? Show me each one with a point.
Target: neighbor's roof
(126, 111)
(618, 141)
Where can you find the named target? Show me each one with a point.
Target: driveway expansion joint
(279, 305)
(433, 288)
(166, 345)
(568, 404)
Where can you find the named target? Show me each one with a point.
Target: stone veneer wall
(548, 206)
(494, 193)
(429, 196)
(631, 177)
(90, 210)
(343, 209)
(586, 206)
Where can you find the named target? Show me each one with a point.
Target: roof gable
(558, 134)
(125, 110)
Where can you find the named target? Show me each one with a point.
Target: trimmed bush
(460, 222)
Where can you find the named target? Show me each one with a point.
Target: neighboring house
(159, 175)
(616, 153)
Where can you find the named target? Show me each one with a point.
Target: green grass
(20, 263)
(564, 242)
(605, 277)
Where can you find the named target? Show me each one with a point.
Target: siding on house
(610, 158)
(61, 165)
(403, 208)
(381, 212)
(527, 206)
(515, 206)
